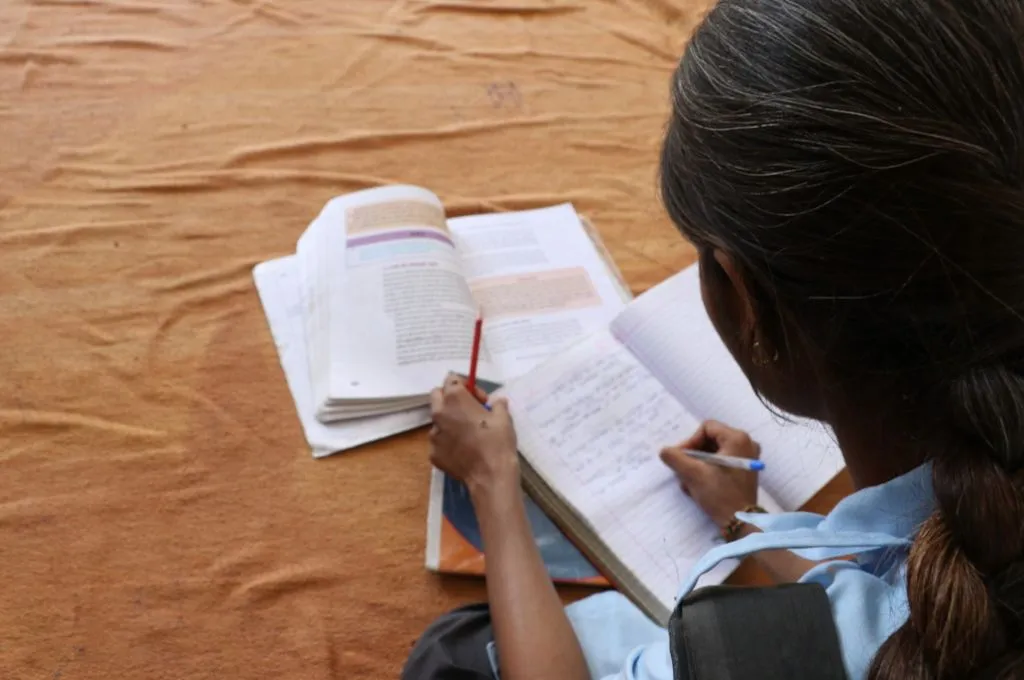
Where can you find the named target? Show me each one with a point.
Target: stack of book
(379, 302)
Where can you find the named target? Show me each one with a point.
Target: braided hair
(862, 161)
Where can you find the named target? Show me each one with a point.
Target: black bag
(776, 633)
(454, 647)
(720, 633)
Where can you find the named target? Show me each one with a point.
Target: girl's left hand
(470, 443)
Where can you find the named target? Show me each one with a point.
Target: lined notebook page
(591, 423)
(668, 329)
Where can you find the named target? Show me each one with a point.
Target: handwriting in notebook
(592, 425)
(604, 418)
(670, 332)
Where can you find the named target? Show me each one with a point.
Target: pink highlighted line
(398, 236)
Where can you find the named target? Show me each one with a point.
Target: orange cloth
(160, 515)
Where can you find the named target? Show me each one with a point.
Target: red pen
(475, 356)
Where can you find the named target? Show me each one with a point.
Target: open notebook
(392, 290)
(592, 419)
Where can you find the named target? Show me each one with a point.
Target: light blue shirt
(868, 595)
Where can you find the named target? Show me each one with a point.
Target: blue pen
(726, 461)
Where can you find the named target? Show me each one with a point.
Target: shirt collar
(876, 518)
(896, 508)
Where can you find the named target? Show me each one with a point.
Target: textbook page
(539, 280)
(591, 422)
(405, 314)
(278, 283)
(669, 331)
(314, 283)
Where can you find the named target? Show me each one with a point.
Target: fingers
(686, 468)
(716, 437)
(454, 396)
(500, 407)
(721, 433)
(731, 441)
(456, 384)
(477, 393)
(698, 440)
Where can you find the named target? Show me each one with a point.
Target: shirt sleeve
(650, 662)
(618, 640)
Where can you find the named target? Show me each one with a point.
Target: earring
(760, 359)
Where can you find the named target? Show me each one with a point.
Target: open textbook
(592, 419)
(392, 289)
(280, 283)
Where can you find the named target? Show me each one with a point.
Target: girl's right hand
(721, 492)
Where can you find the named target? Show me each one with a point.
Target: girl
(851, 173)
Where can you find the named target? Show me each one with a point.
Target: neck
(875, 453)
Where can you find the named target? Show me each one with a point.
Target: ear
(734, 295)
(789, 383)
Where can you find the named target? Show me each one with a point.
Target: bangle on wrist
(731, 531)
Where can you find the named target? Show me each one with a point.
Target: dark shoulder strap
(776, 633)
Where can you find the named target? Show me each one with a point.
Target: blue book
(454, 545)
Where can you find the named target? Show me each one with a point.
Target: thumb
(500, 407)
(687, 468)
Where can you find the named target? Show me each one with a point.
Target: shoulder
(867, 608)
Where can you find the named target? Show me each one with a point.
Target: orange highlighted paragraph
(535, 293)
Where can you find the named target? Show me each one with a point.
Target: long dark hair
(862, 161)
